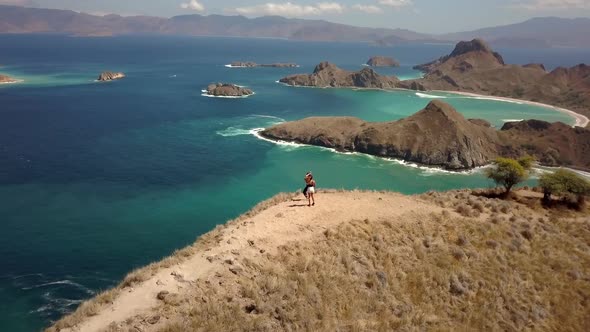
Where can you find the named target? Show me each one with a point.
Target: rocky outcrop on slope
(110, 76)
(474, 67)
(249, 64)
(438, 136)
(382, 61)
(228, 90)
(329, 75)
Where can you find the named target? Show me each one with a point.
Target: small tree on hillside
(562, 182)
(510, 172)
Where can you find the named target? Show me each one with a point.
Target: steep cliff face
(437, 135)
(329, 75)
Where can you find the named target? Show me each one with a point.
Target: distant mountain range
(538, 32)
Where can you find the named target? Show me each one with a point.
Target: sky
(428, 16)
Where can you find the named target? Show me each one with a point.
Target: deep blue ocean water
(97, 179)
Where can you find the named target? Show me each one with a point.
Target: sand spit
(364, 261)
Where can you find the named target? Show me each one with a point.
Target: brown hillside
(437, 135)
(441, 136)
(365, 261)
(474, 67)
(553, 144)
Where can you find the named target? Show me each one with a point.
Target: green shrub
(563, 182)
(510, 172)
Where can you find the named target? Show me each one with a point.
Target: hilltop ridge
(364, 260)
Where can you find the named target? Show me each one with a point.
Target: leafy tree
(510, 172)
(562, 182)
(527, 162)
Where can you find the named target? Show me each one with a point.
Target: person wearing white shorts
(311, 191)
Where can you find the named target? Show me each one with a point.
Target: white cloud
(395, 3)
(552, 4)
(193, 5)
(291, 9)
(369, 9)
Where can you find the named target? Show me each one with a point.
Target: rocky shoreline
(329, 75)
(439, 136)
(227, 90)
(110, 76)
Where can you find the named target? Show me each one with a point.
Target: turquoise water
(99, 178)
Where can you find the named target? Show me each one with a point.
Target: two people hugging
(309, 189)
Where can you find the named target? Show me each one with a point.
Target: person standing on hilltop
(311, 191)
(306, 179)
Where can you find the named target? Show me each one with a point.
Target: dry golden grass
(94, 305)
(480, 264)
(512, 268)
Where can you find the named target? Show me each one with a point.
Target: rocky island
(6, 79)
(329, 75)
(110, 76)
(382, 61)
(227, 90)
(440, 136)
(474, 67)
(239, 64)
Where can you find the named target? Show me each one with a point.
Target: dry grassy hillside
(367, 261)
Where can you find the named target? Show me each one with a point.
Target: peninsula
(382, 61)
(110, 76)
(440, 136)
(227, 90)
(473, 67)
(248, 64)
(329, 75)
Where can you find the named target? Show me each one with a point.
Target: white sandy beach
(581, 120)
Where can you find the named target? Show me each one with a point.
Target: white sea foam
(497, 99)
(12, 82)
(425, 95)
(225, 97)
(426, 170)
(61, 282)
(512, 120)
(232, 131)
(268, 117)
(230, 66)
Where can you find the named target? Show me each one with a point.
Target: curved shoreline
(581, 120)
(410, 164)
